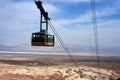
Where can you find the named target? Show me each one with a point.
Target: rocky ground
(55, 68)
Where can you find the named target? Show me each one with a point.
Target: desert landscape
(53, 67)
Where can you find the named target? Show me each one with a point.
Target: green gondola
(42, 39)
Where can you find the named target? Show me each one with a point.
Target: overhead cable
(95, 34)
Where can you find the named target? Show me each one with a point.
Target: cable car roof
(37, 33)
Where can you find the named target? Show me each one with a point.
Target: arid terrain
(22, 67)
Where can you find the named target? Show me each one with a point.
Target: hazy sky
(71, 18)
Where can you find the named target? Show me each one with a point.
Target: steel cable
(93, 6)
(67, 50)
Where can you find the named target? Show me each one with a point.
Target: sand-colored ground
(51, 68)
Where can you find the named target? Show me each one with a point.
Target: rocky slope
(62, 72)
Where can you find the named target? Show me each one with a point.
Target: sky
(71, 18)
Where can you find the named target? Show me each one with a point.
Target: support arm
(40, 7)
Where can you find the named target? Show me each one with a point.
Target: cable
(61, 41)
(67, 50)
(95, 34)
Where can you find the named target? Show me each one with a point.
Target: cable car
(42, 38)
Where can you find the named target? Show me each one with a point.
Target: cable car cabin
(42, 39)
